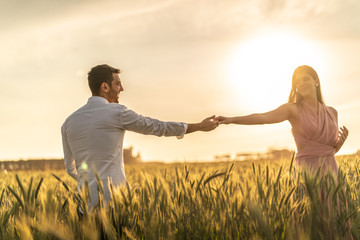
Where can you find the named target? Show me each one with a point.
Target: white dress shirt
(93, 141)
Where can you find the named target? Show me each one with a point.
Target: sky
(181, 61)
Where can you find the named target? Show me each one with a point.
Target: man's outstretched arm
(205, 125)
(132, 121)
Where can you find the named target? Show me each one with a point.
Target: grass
(242, 200)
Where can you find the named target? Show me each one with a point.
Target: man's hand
(343, 133)
(205, 125)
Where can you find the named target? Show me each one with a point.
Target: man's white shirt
(93, 141)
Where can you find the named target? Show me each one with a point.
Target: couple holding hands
(94, 133)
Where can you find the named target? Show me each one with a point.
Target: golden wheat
(242, 200)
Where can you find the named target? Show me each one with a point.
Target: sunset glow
(181, 61)
(261, 68)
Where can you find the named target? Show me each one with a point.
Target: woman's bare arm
(282, 113)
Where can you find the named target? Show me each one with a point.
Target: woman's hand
(343, 134)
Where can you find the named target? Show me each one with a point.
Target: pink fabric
(316, 140)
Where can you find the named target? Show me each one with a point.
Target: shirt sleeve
(149, 126)
(69, 160)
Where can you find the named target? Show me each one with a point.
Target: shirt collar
(97, 99)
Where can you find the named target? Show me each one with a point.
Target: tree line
(58, 164)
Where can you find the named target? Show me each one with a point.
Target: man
(93, 135)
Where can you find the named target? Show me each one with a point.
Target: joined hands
(208, 124)
(223, 120)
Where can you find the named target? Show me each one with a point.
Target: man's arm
(69, 161)
(132, 121)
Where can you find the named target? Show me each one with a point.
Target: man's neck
(101, 95)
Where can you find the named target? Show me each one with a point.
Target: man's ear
(104, 87)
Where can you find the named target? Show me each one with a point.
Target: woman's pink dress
(317, 138)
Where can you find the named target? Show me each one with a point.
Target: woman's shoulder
(333, 110)
(292, 109)
(292, 106)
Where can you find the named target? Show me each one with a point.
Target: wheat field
(226, 200)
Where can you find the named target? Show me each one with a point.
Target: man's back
(93, 140)
(94, 136)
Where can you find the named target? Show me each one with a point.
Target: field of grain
(240, 200)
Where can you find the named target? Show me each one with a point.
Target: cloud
(318, 18)
(170, 21)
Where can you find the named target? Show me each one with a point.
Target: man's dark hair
(98, 75)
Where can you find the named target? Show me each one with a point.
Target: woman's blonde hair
(294, 96)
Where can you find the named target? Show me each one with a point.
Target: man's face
(115, 89)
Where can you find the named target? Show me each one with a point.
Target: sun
(260, 69)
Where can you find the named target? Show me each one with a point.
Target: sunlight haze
(260, 69)
(181, 61)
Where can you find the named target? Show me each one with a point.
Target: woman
(314, 125)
